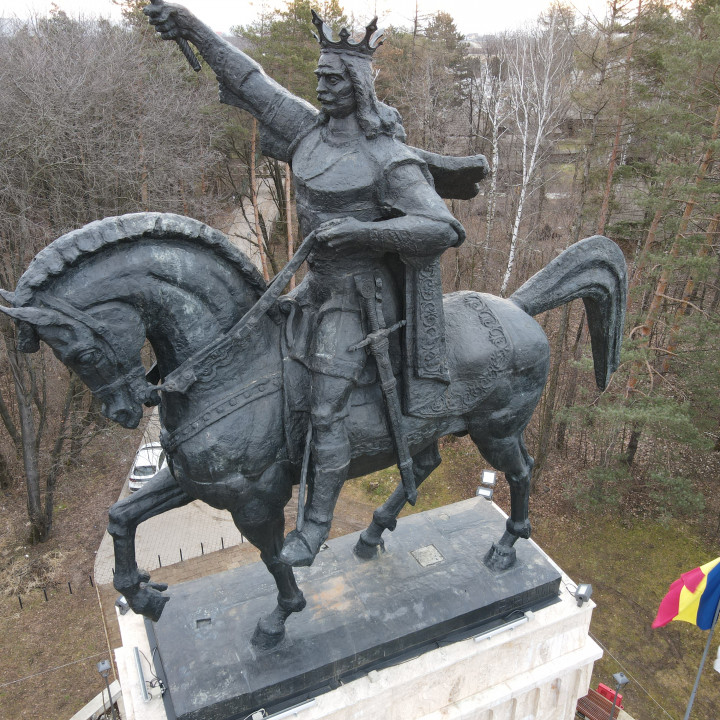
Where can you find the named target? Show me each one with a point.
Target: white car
(149, 460)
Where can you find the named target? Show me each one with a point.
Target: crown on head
(365, 47)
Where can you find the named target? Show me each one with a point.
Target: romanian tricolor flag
(693, 597)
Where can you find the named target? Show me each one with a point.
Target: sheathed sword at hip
(370, 290)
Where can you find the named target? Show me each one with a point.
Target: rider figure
(370, 201)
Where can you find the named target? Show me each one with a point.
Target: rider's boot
(301, 546)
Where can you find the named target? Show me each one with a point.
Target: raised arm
(243, 82)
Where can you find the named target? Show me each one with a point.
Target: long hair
(374, 117)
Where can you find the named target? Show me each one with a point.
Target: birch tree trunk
(538, 65)
(254, 200)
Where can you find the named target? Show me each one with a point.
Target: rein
(202, 362)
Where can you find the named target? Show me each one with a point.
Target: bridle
(133, 381)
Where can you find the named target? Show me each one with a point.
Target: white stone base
(535, 670)
(134, 635)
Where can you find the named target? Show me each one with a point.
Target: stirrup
(299, 550)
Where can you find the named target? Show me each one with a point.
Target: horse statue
(235, 436)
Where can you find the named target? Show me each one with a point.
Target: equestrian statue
(364, 365)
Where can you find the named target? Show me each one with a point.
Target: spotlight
(489, 478)
(103, 667)
(488, 485)
(621, 681)
(583, 592)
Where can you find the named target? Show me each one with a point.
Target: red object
(609, 693)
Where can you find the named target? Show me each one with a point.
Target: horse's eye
(88, 357)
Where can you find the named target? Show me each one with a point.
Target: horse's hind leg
(264, 526)
(510, 456)
(385, 517)
(159, 495)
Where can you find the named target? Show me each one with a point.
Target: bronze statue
(236, 360)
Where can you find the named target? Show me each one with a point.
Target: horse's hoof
(267, 635)
(367, 550)
(500, 557)
(148, 600)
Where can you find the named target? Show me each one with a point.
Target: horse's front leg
(159, 495)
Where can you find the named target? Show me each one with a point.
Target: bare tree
(538, 72)
(91, 124)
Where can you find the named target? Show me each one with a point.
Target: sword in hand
(159, 13)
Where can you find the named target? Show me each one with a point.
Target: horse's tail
(593, 269)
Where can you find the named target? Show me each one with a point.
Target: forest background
(590, 126)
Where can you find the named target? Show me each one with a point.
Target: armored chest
(334, 179)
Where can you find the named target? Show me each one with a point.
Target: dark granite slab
(429, 585)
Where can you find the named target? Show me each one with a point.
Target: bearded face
(335, 90)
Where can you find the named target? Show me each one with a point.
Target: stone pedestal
(533, 671)
(422, 631)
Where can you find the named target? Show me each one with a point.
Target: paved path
(195, 529)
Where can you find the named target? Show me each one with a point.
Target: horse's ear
(27, 319)
(35, 316)
(7, 296)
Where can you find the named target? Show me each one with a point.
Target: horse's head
(95, 294)
(101, 345)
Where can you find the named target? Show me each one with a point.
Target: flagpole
(702, 663)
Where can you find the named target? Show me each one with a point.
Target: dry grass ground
(49, 649)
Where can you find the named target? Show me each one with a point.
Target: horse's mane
(68, 250)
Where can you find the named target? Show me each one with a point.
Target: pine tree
(424, 73)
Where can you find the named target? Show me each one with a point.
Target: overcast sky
(481, 16)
